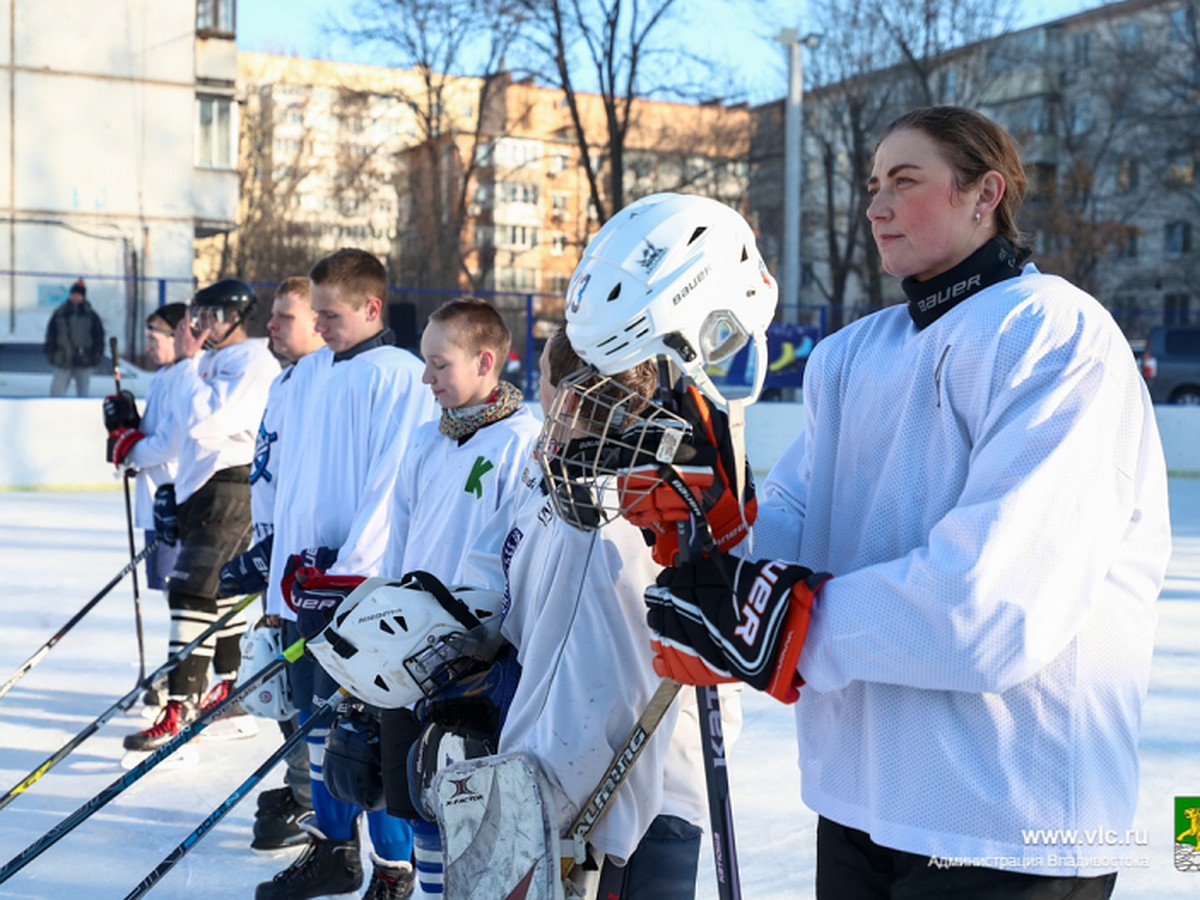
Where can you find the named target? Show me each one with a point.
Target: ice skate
(325, 867)
(390, 881)
(277, 823)
(236, 723)
(172, 719)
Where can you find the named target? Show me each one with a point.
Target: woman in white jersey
(981, 473)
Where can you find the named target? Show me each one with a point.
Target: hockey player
(981, 471)
(221, 395)
(293, 335)
(354, 421)
(155, 457)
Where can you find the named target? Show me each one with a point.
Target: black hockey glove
(247, 572)
(704, 635)
(166, 521)
(120, 411)
(703, 466)
(315, 598)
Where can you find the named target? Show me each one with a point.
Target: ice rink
(57, 549)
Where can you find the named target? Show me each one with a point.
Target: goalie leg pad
(499, 833)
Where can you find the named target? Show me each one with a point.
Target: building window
(1129, 37)
(516, 192)
(559, 160)
(559, 283)
(1183, 25)
(1128, 248)
(1081, 117)
(215, 132)
(1127, 176)
(1177, 239)
(519, 237)
(216, 16)
(1081, 49)
(558, 244)
(1181, 170)
(1177, 311)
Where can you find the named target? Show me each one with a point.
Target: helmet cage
(602, 447)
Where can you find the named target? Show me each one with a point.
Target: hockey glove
(306, 563)
(704, 467)
(703, 635)
(120, 411)
(166, 521)
(247, 572)
(315, 598)
(120, 442)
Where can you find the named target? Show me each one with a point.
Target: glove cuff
(785, 681)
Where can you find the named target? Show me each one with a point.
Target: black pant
(850, 866)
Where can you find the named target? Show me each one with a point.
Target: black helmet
(227, 294)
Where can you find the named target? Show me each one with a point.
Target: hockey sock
(227, 651)
(187, 623)
(334, 818)
(427, 852)
(392, 837)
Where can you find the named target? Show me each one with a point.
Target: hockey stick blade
(98, 802)
(37, 657)
(124, 703)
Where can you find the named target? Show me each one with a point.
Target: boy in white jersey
(293, 335)
(219, 402)
(361, 403)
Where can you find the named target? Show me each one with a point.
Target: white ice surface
(58, 549)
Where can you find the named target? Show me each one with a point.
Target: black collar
(995, 261)
(385, 338)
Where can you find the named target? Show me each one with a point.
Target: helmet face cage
(601, 446)
(442, 660)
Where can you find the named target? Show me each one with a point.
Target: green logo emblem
(1187, 834)
(474, 480)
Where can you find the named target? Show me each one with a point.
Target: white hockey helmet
(273, 698)
(676, 275)
(392, 641)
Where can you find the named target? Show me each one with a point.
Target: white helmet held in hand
(393, 641)
(273, 698)
(675, 275)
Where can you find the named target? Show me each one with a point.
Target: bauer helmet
(675, 275)
(392, 642)
(273, 698)
(229, 301)
(352, 767)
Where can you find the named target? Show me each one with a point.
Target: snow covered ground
(58, 548)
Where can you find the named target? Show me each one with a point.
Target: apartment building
(119, 149)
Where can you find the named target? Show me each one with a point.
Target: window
(559, 160)
(1128, 248)
(1129, 37)
(215, 132)
(558, 205)
(1183, 25)
(1177, 239)
(516, 279)
(483, 153)
(1081, 49)
(1127, 176)
(1177, 311)
(558, 244)
(516, 236)
(1081, 117)
(516, 192)
(1181, 169)
(217, 16)
(484, 236)
(559, 283)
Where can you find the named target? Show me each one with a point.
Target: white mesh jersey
(348, 425)
(267, 451)
(155, 455)
(447, 491)
(574, 611)
(990, 495)
(222, 394)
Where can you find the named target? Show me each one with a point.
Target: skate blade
(231, 729)
(185, 757)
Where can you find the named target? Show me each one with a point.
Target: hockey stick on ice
(123, 704)
(59, 831)
(137, 595)
(24, 668)
(322, 716)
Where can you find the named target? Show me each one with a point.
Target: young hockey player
(982, 473)
(293, 335)
(361, 404)
(220, 399)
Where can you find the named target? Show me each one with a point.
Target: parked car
(1171, 364)
(25, 372)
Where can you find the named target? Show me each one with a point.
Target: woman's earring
(978, 218)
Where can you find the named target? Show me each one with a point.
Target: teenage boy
(362, 402)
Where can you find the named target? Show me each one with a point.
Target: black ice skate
(172, 719)
(390, 881)
(277, 822)
(325, 867)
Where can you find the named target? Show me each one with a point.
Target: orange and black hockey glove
(704, 633)
(704, 466)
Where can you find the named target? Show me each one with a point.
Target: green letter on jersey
(474, 480)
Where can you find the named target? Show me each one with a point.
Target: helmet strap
(736, 413)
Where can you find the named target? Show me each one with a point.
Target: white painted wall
(60, 442)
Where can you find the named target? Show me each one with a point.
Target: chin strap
(736, 413)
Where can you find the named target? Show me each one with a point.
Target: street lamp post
(793, 135)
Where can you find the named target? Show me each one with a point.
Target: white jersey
(155, 456)
(348, 428)
(574, 611)
(448, 490)
(990, 496)
(267, 450)
(222, 397)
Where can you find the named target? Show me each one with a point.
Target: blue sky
(297, 27)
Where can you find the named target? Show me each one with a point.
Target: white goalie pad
(273, 698)
(393, 641)
(498, 828)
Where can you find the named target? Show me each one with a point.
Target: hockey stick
(24, 668)
(123, 704)
(59, 831)
(137, 596)
(708, 700)
(321, 716)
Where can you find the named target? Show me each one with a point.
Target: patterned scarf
(460, 424)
